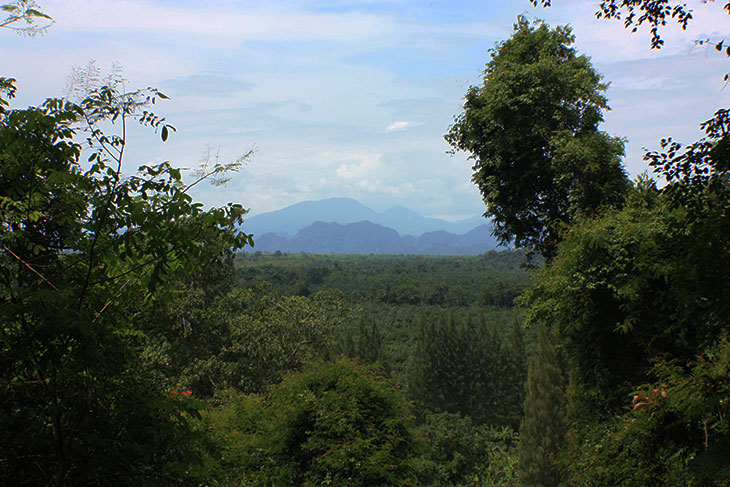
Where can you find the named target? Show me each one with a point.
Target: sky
(351, 98)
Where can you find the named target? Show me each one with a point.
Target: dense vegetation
(135, 352)
(138, 348)
(629, 384)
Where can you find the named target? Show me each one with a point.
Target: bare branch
(30, 268)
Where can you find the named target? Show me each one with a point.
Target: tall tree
(532, 130)
(543, 427)
(462, 368)
(514, 376)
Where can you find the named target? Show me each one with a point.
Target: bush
(332, 424)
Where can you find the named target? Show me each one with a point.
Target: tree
(514, 373)
(648, 281)
(83, 251)
(331, 424)
(641, 294)
(673, 432)
(465, 369)
(369, 343)
(543, 427)
(532, 130)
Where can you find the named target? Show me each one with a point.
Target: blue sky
(351, 98)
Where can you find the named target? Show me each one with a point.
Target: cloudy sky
(351, 98)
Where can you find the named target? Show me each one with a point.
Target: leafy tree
(338, 424)
(648, 281)
(543, 427)
(646, 299)
(532, 130)
(82, 251)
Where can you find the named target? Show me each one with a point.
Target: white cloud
(367, 167)
(209, 20)
(403, 125)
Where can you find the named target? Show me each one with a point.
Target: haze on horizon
(351, 99)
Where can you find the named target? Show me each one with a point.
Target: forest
(145, 341)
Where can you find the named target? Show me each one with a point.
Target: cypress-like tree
(514, 377)
(460, 368)
(369, 343)
(542, 430)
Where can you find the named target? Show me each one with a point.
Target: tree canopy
(531, 128)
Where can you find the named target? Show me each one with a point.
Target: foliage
(463, 285)
(543, 427)
(491, 279)
(367, 344)
(671, 435)
(245, 339)
(83, 250)
(532, 130)
(641, 293)
(458, 452)
(637, 12)
(331, 424)
(466, 369)
(647, 281)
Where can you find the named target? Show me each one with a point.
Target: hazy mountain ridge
(288, 221)
(371, 238)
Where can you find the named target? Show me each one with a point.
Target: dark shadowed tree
(83, 250)
(543, 427)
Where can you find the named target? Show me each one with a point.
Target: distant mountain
(288, 221)
(365, 237)
(352, 238)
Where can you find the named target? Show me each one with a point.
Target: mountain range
(370, 238)
(288, 221)
(332, 226)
